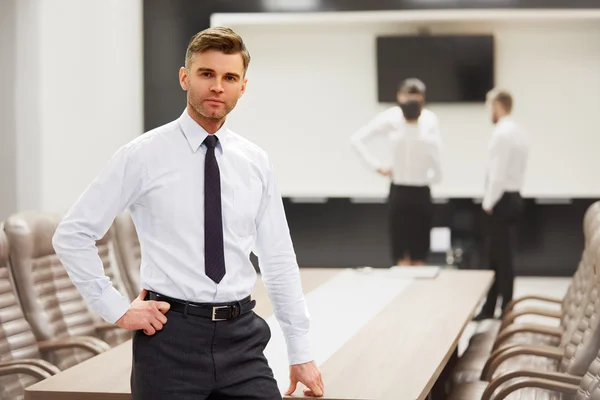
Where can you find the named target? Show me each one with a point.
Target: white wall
(8, 178)
(311, 86)
(28, 106)
(79, 94)
(92, 98)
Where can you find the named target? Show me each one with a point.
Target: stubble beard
(206, 113)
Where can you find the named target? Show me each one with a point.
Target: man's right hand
(384, 171)
(146, 315)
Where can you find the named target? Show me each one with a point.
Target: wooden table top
(397, 352)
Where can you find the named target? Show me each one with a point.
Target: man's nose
(217, 87)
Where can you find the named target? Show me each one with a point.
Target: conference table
(375, 333)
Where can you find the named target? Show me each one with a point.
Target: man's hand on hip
(309, 375)
(384, 172)
(146, 315)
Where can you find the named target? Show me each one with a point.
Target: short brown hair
(503, 97)
(220, 39)
(412, 86)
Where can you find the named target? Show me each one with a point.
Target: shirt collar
(195, 134)
(504, 118)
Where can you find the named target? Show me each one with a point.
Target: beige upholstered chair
(21, 362)
(128, 250)
(50, 301)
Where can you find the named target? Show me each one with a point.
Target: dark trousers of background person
(195, 358)
(501, 243)
(411, 216)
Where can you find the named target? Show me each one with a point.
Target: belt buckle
(214, 313)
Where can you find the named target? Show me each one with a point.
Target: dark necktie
(214, 257)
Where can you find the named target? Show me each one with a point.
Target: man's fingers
(321, 385)
(149, 330)
(160, 317)
(156, 313)
(152, 311)
(313, 393)
(156, 324)
(315, 386)
(316, 389)
(292, 387)
(163, 307)
(152, 303)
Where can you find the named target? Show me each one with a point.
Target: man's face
(214, 82)
(406, 97)
(495, 111)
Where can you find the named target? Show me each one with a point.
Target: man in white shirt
(201, 197)
(502, 202)
(415, 141)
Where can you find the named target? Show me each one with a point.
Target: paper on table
(408, 272)
(424, 271)
(441, 240)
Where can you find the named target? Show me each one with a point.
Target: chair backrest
(51, 303)
(590, 216)
(590, 226)
(128, 250)
(584, 342)
(589, 388)
(576, 292)
(16, 339)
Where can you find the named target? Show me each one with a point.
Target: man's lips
(214, 101)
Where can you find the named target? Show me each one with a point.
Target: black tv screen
(457, 68)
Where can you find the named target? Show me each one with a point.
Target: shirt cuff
(487, 205)
(112, 305)
(299, 349)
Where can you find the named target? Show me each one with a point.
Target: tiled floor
(549, 287)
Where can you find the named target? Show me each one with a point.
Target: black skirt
(411, 217)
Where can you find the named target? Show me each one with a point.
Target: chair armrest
(105, 326)
(25, 369)
(37, 362)
(509, 318)
(561, 387)
(511, 305)
(92, 344)
(503, 348)
(492, 364)
(550, 376)
(512, 330)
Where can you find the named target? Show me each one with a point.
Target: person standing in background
(416, 151)
(502, 202)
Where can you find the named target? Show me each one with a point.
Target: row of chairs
(508, 359)
(45, 324)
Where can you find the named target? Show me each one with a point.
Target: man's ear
(244, 86)
(183, 77)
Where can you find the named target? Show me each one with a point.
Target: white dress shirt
(159, 176)
(509, 150)
(415, 148)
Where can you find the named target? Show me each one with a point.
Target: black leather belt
(216, 312)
